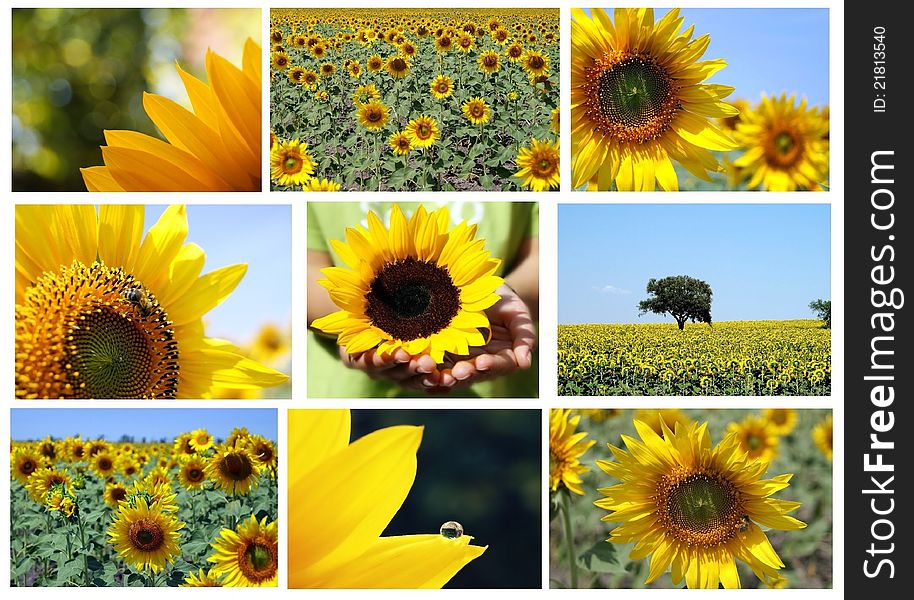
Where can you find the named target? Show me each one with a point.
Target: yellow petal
(406, 562)
(162, 243)
(99, 179)
(341, 506)
(316, 435)
(120, 229)
(206, 293)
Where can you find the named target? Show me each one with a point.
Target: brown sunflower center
(443, 86)
(412, 299)
(118, 494)
(477, 110)
(515, 51)
(424, 131)
(93, 332)
(281, 61)
(398, 64)
(784, 148)
(536, 62)
(631, 98)
(236, 466)
(194, 475)
(257, 559)
(754, 441)
(27, 467)
(444, 42)
(104, 464)
(544, 166)
(700, 509)
(374, 115)
(292, 164)
(490, 60)
(146, 535)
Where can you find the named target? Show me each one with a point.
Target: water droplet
(452, 530)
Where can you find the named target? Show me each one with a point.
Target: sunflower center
(374, 115)
(476, 110)
(490, 60)
(412, 299)
(754, 442)
(536, 62)
(399, 64)
(27, 467)
(702, 509)
(104, 464)
(424, 131)
(195, 475)
(257, 559)
(631, 98)
(442, 86)
(783, 148)
(515, 51)
(118, 494)
(236, 467)
(146, 535)
(93, 332)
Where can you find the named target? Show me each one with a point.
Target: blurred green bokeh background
(482, 469)
(807, 553)
(77, 72)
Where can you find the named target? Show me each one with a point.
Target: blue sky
(151, 423)
(258, 235)
(762, 261)
(769, 49)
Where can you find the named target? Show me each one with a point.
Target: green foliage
(822, 309)
(684, 298)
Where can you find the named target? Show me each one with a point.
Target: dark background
(481, 468)
(867, 132)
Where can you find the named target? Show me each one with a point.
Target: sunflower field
(670, 498)
(435, 99)
(190, 512)
(732, 358)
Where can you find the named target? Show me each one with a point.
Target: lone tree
(681, 296)
(822, 308)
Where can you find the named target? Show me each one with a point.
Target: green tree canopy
(822, 308)
(682, 297)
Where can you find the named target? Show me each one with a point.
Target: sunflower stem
(85, 551)
(569, 539)
(377, 162)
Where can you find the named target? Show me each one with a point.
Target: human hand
(510, 348)
(399, 366)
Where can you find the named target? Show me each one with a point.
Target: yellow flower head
(202, 579)
(366, 482)
(822, 435)
(398, 66)
(696, 508)
(422, 131)
(129, 309)
(781, 420)
(201, 440)
(756, 437)
(365, 94)
(320, 185)
(145, 537)
(290, 163)
(373, 115)
(451, 282)
(192, 473)
(489, 62)
(442, 87)
(476, 110)
(400, 143)
(233, 470)
(247, 556)
(786, 145)
(539, 165)
(215, 147)
(566, 446)
(23, 463)
(638, 103)
(115, 493)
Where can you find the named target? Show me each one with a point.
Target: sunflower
(534, 63)
(416, 286)
(279, 60)
(515, 52)
(201, 440)
(756, 437)
(202, 579)
(115, 492)
(539, 165)
(398, 66)
(781, 420)
(489, 62)
(328, 69)
(566, 446)
(422, 131)
(214, 148)
(290, 163)
(444, 44)
(320, 185)
(296, 75)
(182, 445)
(366, 482)
(247, 556)
(442, 87)
(43, 479)
(23, 463)
(822, 435)
(233, 470)
(400, 143)
(128, 466)
(554, 120)
(192, 473)
(103, 464)
(129, 309)
(144, 536)
(476, 110)
(354, 68)
(657, 418)
(365, 94)
(695, 507)
(75, 449)
(375, 63)
(638, 104)
(786, 145)
(408, 49)
(465, 42)
(373, 115)
(263, 452)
